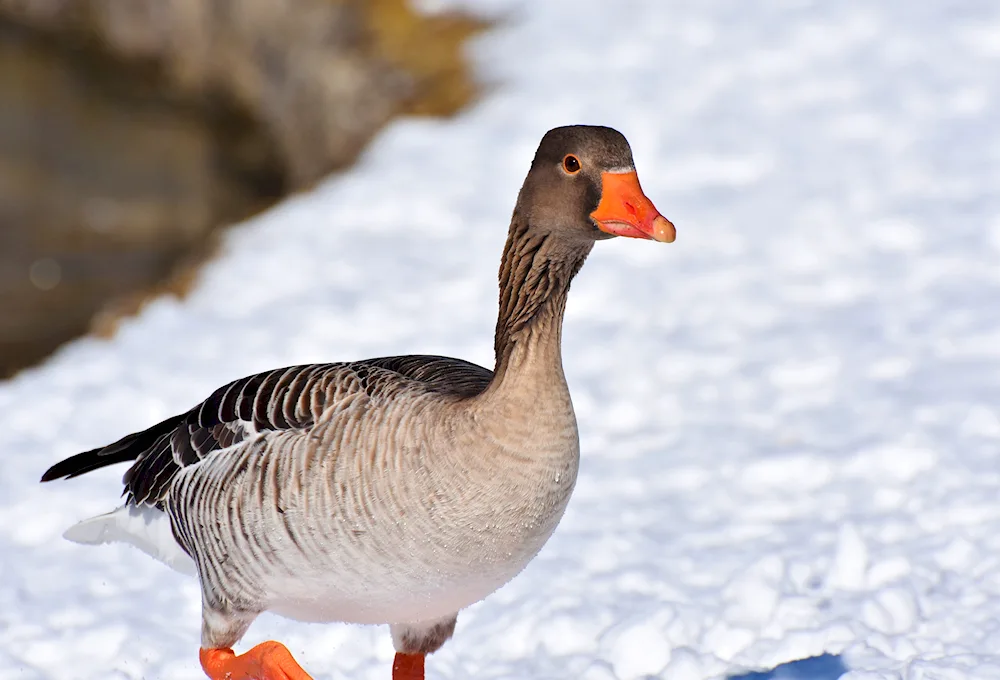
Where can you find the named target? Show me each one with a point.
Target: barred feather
(290, 398)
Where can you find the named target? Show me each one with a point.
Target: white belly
(405, 600)
(405, 580)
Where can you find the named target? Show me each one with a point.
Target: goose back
(291, 398)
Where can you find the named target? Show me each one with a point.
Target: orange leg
(408, 667)
(266, 661)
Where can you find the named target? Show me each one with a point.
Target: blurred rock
(130, 130)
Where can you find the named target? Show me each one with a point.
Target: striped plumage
(395, 490)
(290, 398)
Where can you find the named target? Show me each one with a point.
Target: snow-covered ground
(790, 418)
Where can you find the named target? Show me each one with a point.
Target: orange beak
(625, 211)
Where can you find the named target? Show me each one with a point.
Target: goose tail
(143, 526)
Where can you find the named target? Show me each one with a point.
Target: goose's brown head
(583, 183)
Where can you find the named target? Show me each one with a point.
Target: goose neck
(535, 274)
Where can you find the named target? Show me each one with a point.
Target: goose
(396, 490)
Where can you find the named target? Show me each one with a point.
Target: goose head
(583, 186)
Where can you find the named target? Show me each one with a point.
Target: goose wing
(282, 399)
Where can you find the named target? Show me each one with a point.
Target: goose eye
(571, 164)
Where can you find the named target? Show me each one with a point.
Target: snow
(789, 417)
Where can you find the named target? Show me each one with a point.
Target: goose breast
(399, 504)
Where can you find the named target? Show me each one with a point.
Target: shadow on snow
(822, 667)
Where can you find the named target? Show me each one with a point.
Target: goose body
(396, 490)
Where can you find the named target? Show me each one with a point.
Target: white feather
(145, 527)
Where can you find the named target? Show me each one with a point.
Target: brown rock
(131, 129)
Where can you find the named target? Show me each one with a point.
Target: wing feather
(283, 399)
